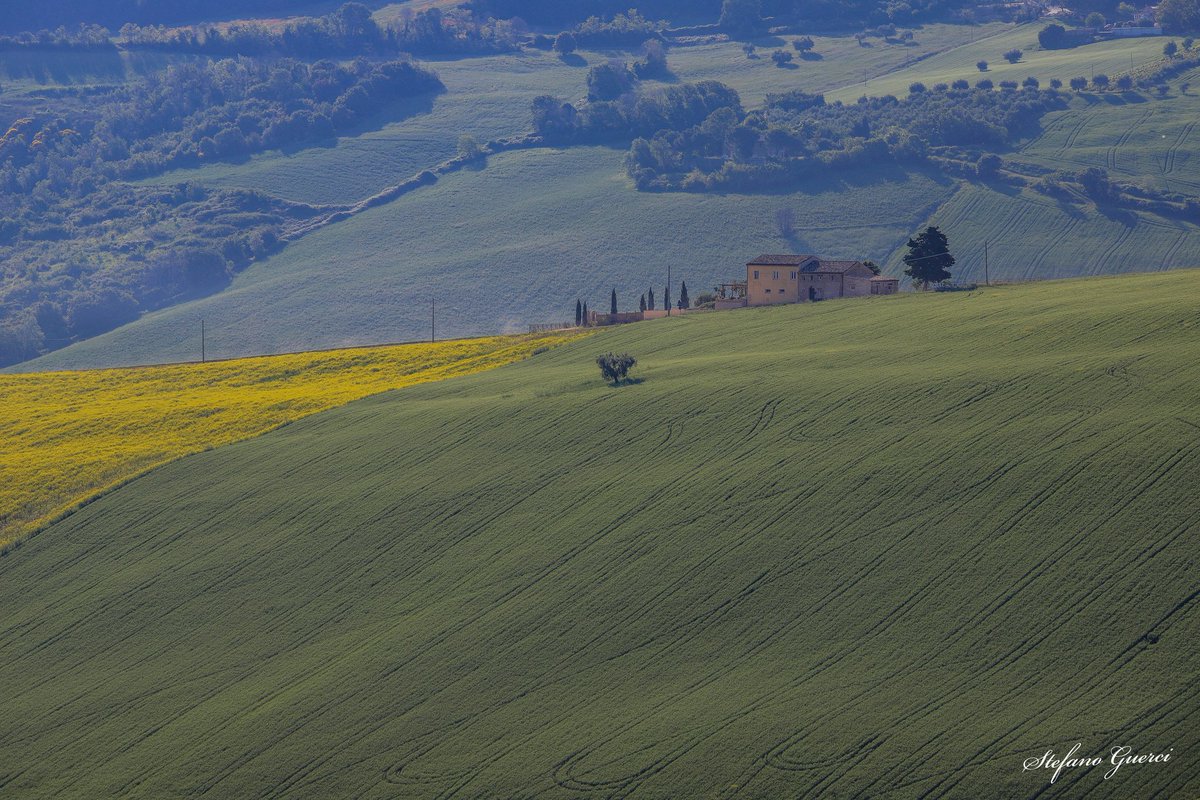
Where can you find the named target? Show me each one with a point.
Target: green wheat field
(883, 548)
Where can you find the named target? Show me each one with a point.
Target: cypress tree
(585, 315)
(683, 295)
(578, 313)
(642, 303)
(650, 301)
(614, 300)
(667, 298)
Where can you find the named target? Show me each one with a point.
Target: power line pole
(203, 354)
(987, 281)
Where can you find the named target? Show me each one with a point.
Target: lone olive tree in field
(928, 258)
(615, 367)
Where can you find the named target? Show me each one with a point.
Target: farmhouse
(776, 279)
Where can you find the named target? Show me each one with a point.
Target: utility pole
(203, 354)
(433, 319)
(987, 281)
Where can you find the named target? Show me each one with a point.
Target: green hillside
(880, 548)
(513, 243)
(1112, 58)
(519, 240)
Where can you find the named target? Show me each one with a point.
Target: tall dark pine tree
(928, 258)
(614, 301)
(585, 315)
(650, 299)
(667, 299)
(683, 295)
(578, 313)
(642, 303)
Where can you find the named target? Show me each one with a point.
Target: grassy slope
(65, 436)
(837, 61)
(870, 548)
(1112, 58)
(521, 241)
(1133, 136)
(514, 243)
(1033, 237)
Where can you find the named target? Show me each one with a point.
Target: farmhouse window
(793, 276)
(775, 276)
(755, 274)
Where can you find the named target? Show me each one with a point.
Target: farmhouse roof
(781, 260)
(885, 278)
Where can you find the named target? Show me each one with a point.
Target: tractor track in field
(1123, 139)
(1172, 154)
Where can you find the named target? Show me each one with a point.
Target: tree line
(798, 135)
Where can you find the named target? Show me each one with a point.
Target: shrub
(1101, 81)
(986, 84)
(916, 88)
(1125, 83)
(961, 85)
(982, 66)
(781, 58)
(615, 367)
(468, 148)
(1056, 83)
(1079, 84)
(1031, 83)
(1170, 49)
(1008, 86)
(565, 43)
(1013, 56)
(1053, 37)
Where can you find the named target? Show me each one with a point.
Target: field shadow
(1120, 215)
(811, 56)
(840, 180)
(768, 41)
(49, 66)
(573, 60)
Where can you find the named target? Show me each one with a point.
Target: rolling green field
(837, 61)
(1111, 58)
(879, 548)
(1145, 139)
(514, 243)
(1033, 237)
(519, 241)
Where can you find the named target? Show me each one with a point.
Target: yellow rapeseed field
(67, 436)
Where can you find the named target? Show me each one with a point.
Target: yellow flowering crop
(68, 436)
